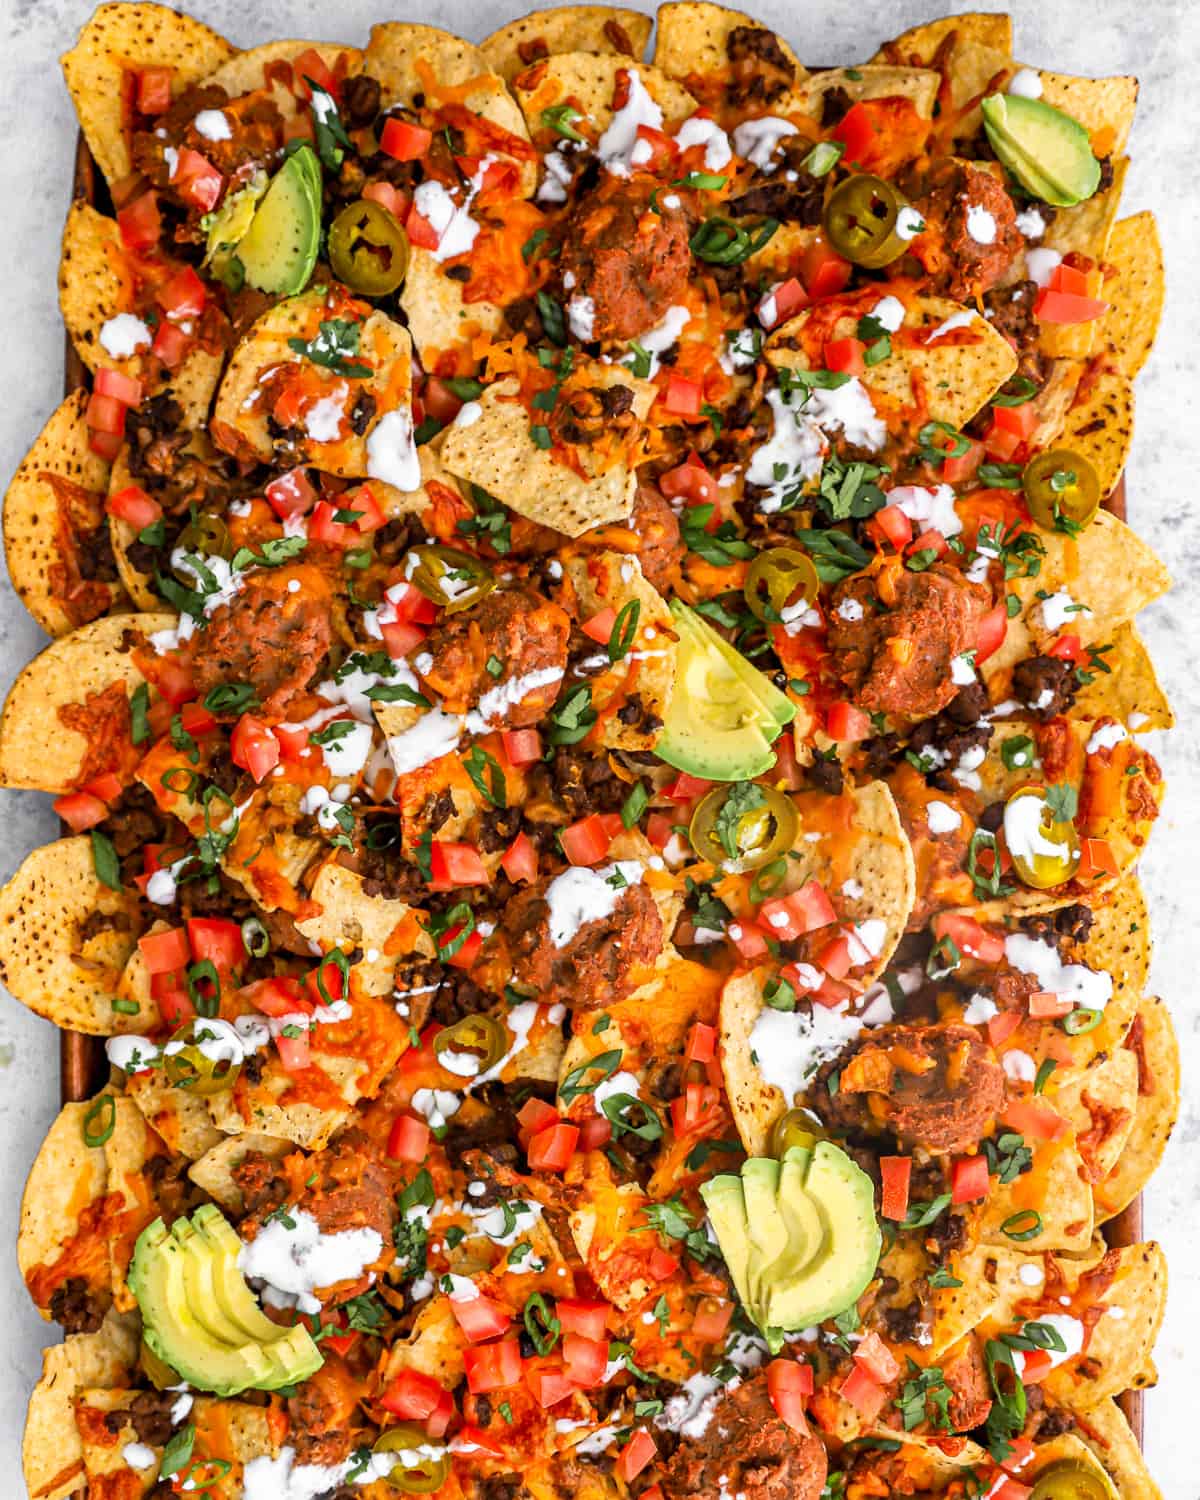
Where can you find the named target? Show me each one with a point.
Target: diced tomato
(550, 1384)
(140, 223)
(857, 133)
(364, 500)
(217, 939)
(1066, 278)
(992, 630)
(846, 724)
(969, 937)
(1021, 1454)
(388, 197)
(310, 67)
(325, 529)
(196, 180)
(403, 141)
(480, 1318)
(712, 1318)
(455, 864)
(105, 445)
(1067, 307)
(823, 270)
(693, 1107)
(169, 993)
(845, 356)
(106, 786)
(655, 150)
(702, 1043)
(683, 397)
(599, 627)
(659, 829)
(686, 788)
(106, 414)
(536, 1115)
(408, 1139)
(836, 958)
(520, 860)
(420, 231)
(895, 526)
(1066, 648)
(400, 637)
(1017, 419)
(275, 997)
(493, 1367)
(439, 400)
(183, 296)
(896, 1174)
(1008, 1489)
(170, 344)
(154, 91)
(789, 917)
(164, 951)
(596, 1131)
(466, 955)
(551, 1150)
(294, 1052)
(867, 1396)
(80, 810)
(132, 504)
(747, 939)
(1000, 1027)
(522, 747)
(328, 976)
(955, 470)
(930, 541)
(788, 1383)
(585, 1358)
(969, 1179)
(291, 494)
(253, 746)
(635, 1455)
(873, 1355)
(1045, 1006)
(173, 680)
(471, 1437)
(788, 298)
(589, 1319)
(586, 842)
(341, 1343)
(121, 387)
(410, 604)
(412, 1395)
(1096, 857)
(691, 482)
(1001, 444)
(1033, 1119)
(786, 773)
(661, 1265)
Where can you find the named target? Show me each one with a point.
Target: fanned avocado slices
(1046, 150)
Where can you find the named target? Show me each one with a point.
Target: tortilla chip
(104, 1449)
(128, 1151)
(180, 1117)
(974, 55)
(1103, 106)
(1155, 1111)
(566, 28)
(351, 919)
(95, 283)
(1100, 1103)
(1082, 230)
(214, 1170)
(439, 317)
(46, 961)
(67, 1175)
(1108, 569)
(43, 521)
(245, 73)
(870, 81)
(921, 43)
(51, 1450)
(614, 580)
(1119, 943)
(1056, 1188)
(125, 36)
(1066, 1449)
(1129, 690)
(497, 453)
(37, 750)
(382, 343)
(434, 1347)
(268, 826)
(1135, 288)
(589, 81)
(1107, 1433)
(954, 378)
(692, 38)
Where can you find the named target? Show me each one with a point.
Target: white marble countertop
(1159, 41)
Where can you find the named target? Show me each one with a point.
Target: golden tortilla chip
(180, 1117)
(692, 38)
(384, 345)
(246, 73)
(121, 37)
(1056, 1188)
(1082, 230)
(58, 954)
(127, 1152)
(1135, 288)
(434, 1347)
(1108, 569)
(67, 1175)
(566, 28)
(954, 378)
(922, 43)
(38, 750)
(1119, 943)
(214, 1170)
(1103, 106)
(646, 671)
(1155, 1110)
(104, 1450)
(588, 80)
(870, 81)
(497, 453)
(1100, 1103)
(1107, 1433)
(1129, 690)
(439, 317)
(351, 919)
(51, 1450)
(54, 501)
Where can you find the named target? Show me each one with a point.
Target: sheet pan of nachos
(594, 700)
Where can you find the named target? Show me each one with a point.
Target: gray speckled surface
(1159, 40)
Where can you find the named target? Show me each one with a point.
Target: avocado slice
(767, 1226)
(279, 250)
(777, 706)
(726, 1205)
(218, 1242)
(836, 1276)
(199, 1268)
(1046, 150)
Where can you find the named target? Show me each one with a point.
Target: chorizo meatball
(972, 236)
(660, 547)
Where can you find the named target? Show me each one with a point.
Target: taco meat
(971, 234)
(970, 1392)
(518, 628)
(893, 638)
(760, 71)
(323, 1414)
(631, 261)
(931, 1086)
(660, 548)
(272, 636)
(747, 1450)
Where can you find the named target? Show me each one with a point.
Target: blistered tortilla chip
(566, 28)
(1082, 230)
(588, 80)
(1123, 1338)
(104, 1449)
(268, 857)
(1108, 569)
(1118, 943)
(67, 1175)
(54, 501)
(439, 316)
(1053, 401)
(51, 1450)
(1103, 106)
(49, 960)
(245, 73)
(870, 81)
(1068, 1448)
(128, 1151)
(1134, 287)
(974, 55)
(410, 59)
(497, 453)
(434, 1347)
(1153, 1044)
(350, 919)
(37, 749)
(238, 1431)
(1129, 690)
(1100, 1103)
(1107, 1433)
(121, 37)
(180, 1117)
(95, 283)
(920, 44)
(692, 39)
(383, 344)
(952, 377)
(1056, 1188)
(646, 672)
(213, 1172)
